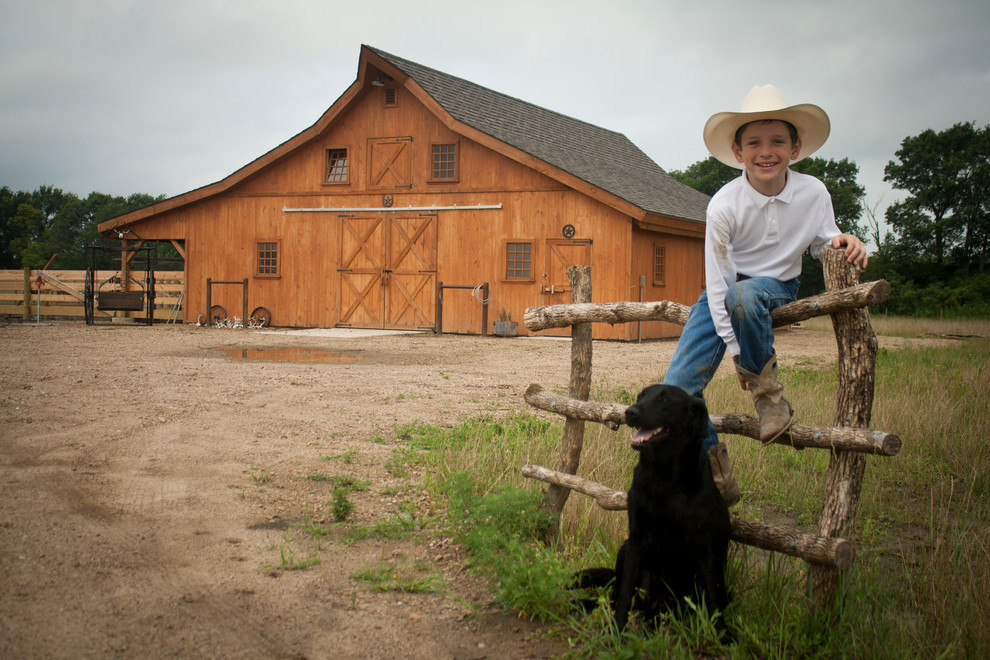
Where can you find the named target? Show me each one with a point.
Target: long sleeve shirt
(751, 234)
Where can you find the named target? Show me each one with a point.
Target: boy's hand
(855, 249)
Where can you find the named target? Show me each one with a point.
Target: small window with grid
(267, 259)
(659, 265)
(518, 261)
(444, 162)
(337, 166)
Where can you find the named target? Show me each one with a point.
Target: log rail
(836, 552)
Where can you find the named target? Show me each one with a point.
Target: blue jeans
(700, 350)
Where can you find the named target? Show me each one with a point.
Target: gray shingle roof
(605, 159)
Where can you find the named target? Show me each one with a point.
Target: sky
(127, 96)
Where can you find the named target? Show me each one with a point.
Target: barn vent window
(444, 162)
(519, 261)
(267, 259)
(659, 265)
(337, 166)
(390, 101)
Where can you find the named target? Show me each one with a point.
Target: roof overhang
(667, 225)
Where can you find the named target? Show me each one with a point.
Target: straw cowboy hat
(766, 102)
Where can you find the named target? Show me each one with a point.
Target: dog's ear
(699, 416)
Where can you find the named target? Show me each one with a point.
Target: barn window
(336, 165)
(659, 264)
(390, 100)
(267, 259)
(444, 162)
(518, 261)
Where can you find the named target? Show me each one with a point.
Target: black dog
(678, 522)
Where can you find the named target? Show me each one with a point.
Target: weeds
(417, 577)
(288, 558)
(341, 507)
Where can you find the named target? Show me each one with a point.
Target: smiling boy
(758, 227)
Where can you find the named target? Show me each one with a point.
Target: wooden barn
(414, 189)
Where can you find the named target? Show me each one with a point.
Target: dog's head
(665, 411)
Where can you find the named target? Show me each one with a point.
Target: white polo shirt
(751, 234)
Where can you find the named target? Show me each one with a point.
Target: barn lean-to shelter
(414, 178)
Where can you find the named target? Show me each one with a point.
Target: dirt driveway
(150, 479)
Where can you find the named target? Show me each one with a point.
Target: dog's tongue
(642, 435)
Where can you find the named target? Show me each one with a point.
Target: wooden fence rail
(848, 441)
(61, 294)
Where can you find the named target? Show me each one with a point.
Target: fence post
(580, 388)
(857, 353)
(244, 317)
(27, 295)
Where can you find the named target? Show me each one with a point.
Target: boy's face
(765, 152)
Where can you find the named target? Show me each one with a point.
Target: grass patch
(401, 575)
(412, 519)
(341, 481)
(920, 586)
(289, 560)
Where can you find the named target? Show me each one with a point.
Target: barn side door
(411, 273)
(360, 295)
(561, 254)
(387, 274)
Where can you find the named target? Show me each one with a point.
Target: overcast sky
(124, 96)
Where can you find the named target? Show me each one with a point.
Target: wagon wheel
(217, 315)
(260, 317)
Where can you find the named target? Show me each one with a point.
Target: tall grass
(911, 326)
(920, 585)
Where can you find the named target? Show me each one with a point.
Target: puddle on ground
(289, 355)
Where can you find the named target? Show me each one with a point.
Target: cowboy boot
(725, 481)
(776, 414)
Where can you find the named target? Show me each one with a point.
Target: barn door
(387, 274)
(360, 297)
(562, 254)
(411, 273)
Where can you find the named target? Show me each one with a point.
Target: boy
(758, 227)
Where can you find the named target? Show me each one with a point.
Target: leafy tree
(946, 175)
(25, 229)
(706, 175)
(10, 201)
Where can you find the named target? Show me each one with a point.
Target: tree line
(52, 227)
(933, 249)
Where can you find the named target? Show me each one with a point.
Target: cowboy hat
(762, 103)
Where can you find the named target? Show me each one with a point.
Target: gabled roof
(605, 159)
(603, 163)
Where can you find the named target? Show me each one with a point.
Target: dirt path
(150, 479)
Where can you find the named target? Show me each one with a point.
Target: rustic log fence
(848, 441)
